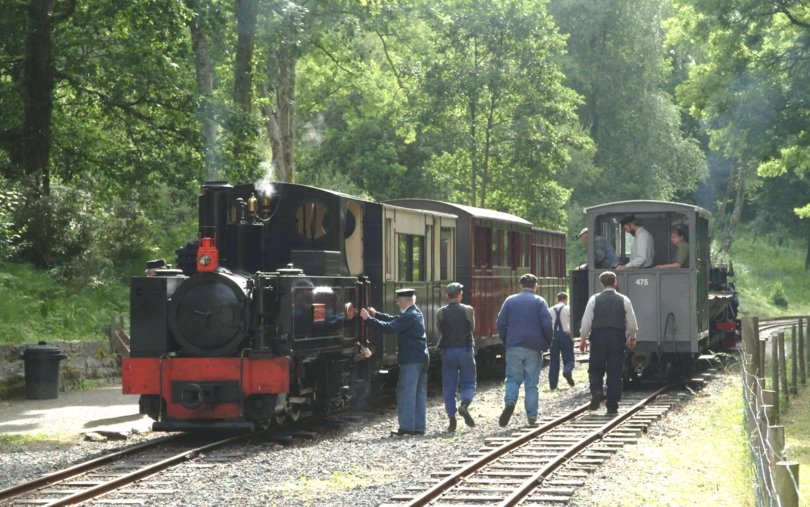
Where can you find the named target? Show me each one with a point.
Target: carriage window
(483, 247)
(497, 247)
(312, 218)
(446, 242)
(411, 257)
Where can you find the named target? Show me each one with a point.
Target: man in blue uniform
(412, 357)
(456, 323)
(610, 322)
(524, 324)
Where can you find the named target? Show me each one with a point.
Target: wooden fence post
(800, 338)
(770, 398)
(794, 366)
(775, 367)
(786, 483)
(783, 366)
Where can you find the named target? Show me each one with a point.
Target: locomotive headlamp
(207, 255)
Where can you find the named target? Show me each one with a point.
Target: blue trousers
(523, 367)
(412, 396)
(458, 371)
(560, 346)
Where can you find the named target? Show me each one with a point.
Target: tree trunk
(38, 85)
(209, 130)
(728, 238)
(246, 12)
(280, 112)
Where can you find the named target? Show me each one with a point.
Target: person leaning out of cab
(681, 258)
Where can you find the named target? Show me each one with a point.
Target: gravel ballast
(358, 463)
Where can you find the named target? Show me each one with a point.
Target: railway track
(110, 472)
(543, 464)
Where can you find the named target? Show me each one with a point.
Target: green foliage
(760, 262)
(617, 63)
(11, 239)
(777, 296)
(36, 306)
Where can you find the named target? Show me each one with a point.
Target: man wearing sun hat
(412, 357)
(456, 323)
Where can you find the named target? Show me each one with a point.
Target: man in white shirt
(562, 344)
(642, 253)
(610, 323)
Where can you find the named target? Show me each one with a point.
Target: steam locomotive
(258, 323)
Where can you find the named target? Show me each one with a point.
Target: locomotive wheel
(280, 419)
(293, 412)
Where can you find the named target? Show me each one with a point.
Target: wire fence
(773, 369)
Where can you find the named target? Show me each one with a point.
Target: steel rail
(80, 468)
(535, 480)
(148, 470)
(448, 482)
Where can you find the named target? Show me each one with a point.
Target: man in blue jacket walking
(524, 324)
(412, 357)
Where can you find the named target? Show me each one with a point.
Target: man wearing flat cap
(604, 255)
(642, 253)
(412, 357)
(524, 325)
(456, 323)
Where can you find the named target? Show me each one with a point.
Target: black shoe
(465, 413)
(612, 412)
(569, 378)
(400, 433)
(452, 426)
(596, 400)
(506, 415)
(416, 433)
(552, 389)
(532, 421)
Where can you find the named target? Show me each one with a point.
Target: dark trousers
(607, 356)
(560, 346)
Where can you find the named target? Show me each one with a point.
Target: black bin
(42, 371)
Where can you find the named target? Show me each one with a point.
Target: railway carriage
(260, 322)
(678, 317)
(492, 250)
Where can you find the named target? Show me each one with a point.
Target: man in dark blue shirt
(412, 357)
(524, 324)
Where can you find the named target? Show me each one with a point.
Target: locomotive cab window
(313, 220)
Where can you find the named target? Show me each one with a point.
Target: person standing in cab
(456, 324)
(642, 253)
(610, 323)
(562, 344)
(412, 357)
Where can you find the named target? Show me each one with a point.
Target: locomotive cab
(671, 304)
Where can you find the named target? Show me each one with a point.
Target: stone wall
(87, 362)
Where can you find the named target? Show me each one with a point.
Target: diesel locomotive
(258, 323)
(682, 312)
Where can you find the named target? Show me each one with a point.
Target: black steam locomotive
(260, 322)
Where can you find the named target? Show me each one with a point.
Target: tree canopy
(112, 113)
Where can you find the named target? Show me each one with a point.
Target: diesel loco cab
(678, 317)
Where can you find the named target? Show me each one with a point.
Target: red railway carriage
(493, 249)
